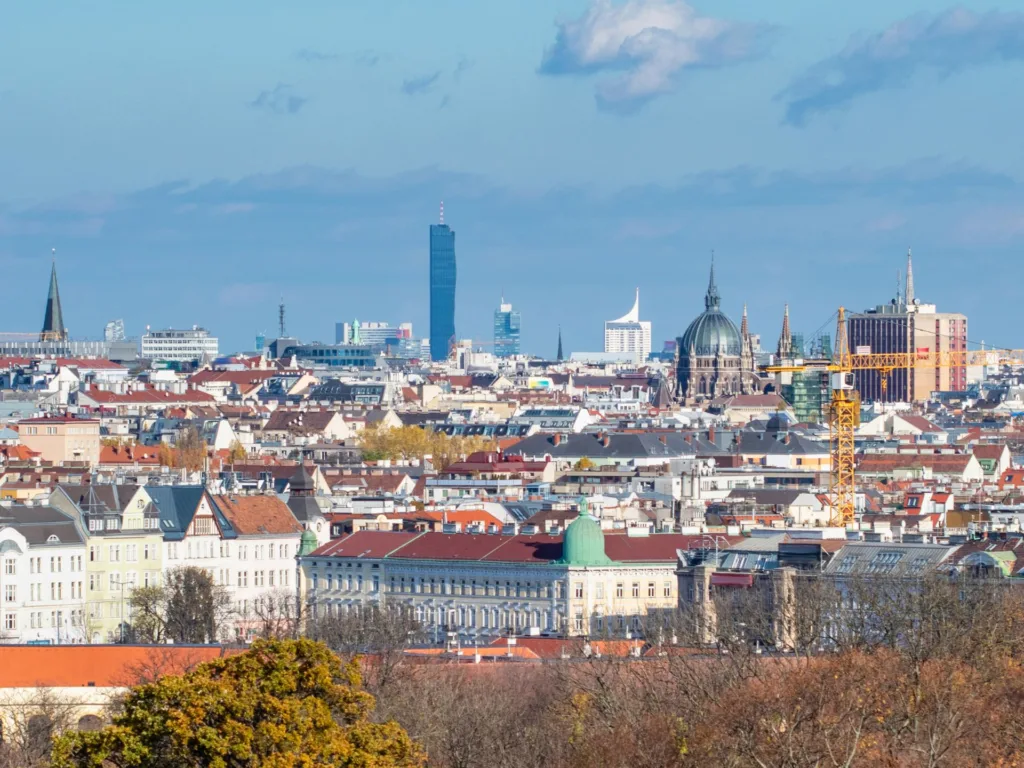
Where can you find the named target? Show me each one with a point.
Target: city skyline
(785, 175)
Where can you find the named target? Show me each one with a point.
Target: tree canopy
(379, 442)
(281, 704)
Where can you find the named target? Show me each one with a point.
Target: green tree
(282, 704)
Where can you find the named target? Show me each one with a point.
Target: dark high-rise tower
(53, 320)
(442, 289)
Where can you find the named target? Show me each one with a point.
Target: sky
(196, 165)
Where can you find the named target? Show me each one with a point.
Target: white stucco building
(42, 576)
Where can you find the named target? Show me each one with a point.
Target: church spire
(744, 326)
(712, 300)
(909, 297)
(53, 320)
(785, 349)
(560, 357)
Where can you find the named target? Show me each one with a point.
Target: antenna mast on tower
(280, 317)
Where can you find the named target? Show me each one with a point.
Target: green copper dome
(307, 543)
(584, 541)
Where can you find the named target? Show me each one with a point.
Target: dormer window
(52, 539)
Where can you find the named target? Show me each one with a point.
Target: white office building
(179, 346)
(629, 335)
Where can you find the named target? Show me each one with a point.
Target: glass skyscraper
(442, 290)
(506, 330)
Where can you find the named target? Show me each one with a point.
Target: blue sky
(191, 165)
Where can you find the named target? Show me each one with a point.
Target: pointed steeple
(712, 300)
(744, 325)
(909, 293)
(560, 357)
(785, 349)
(53, 320)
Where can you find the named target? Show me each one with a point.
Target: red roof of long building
(102, 666)
(521, 548)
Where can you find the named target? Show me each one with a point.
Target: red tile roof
(254, 515)
(367, 544)
(102, 666)
(537, 549)
(129, 454)
(146, 397)
(64, 418)
(920, 422)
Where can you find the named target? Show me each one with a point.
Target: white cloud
(648, 42)
(944, 43)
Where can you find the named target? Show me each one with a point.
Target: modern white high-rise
(180, 346)
(629, 334)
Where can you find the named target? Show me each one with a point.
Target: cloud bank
(944, 44)
(643, 46)
(280, 100)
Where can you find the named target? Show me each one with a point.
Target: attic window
(52, 539)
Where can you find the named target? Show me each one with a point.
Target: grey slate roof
(177, 505)
(38, 524)
(623, 446)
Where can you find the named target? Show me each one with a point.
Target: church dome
(711, 333)
(583, 543)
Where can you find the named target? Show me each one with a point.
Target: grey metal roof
(888, 559)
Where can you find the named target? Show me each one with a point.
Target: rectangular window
(618, 589)
(599, 590)
(9, 566)
(132, 553)
(651, 590)
(636, 589)
(10, 593)
(10, 621)
(667, 589)
(578, 590)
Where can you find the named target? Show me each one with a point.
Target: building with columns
(481, 586)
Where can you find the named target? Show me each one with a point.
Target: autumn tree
(190, 450)
(380, 633)
(236, 451)
(584, 463)
(410, 442)
(282, 704)
(187, 608)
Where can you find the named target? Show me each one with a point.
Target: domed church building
(713, 357)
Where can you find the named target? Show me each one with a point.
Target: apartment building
(124, 548)
(42, 576)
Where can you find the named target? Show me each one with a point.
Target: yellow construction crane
(844, 410)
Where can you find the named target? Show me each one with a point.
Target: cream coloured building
(482, 586)
(125, 550)
(59, 439)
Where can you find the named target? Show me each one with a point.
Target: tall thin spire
(442, 213)
(785, 349)
(53, 319)
(280, 318)
(909, 293)
(560, 357)
(712, 300)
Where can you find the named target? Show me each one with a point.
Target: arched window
(90, 723)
